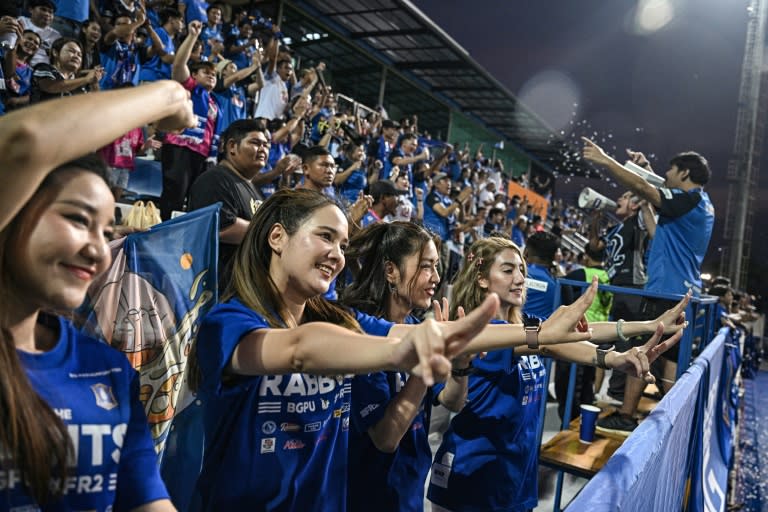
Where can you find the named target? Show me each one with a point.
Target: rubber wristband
(463, 372)
(619, 331)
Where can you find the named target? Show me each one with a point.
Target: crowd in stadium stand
(270, 143)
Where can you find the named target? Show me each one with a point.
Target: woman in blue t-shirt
(275, 359)
(74, 433)
(488, 457)
(395, 271)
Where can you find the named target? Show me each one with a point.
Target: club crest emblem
(104, 397)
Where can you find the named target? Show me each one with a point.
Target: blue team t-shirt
(541, 291)
(682, 236)
(273, 442)
(380, 481)
(95, 391)
(488, 458)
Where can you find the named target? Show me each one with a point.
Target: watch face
(531, 322)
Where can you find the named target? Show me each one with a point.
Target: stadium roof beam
(438, 64)
(390, 33)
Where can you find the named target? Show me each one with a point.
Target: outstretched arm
(37, 139)
(318, 347)
(628, 179)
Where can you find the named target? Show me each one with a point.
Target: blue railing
(700, 314)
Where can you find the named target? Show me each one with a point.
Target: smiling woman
(56, 385)
(276, 423)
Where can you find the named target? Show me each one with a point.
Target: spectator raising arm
(241, 74)
(37, 139)
(158, 47)
(125, 31)
(180, 71)
(628, 179)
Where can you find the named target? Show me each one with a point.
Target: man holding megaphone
(686, 219)
(625, 245)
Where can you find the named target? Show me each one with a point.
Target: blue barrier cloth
(673, 460)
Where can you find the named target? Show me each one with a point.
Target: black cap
(385, 188)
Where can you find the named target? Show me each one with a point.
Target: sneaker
(607, 399)
(617, 424)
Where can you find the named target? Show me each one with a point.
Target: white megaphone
(653, 179)
(592, 199)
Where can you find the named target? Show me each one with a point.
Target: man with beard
(245, 151)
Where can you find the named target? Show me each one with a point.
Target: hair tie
(470, 257)
(479, 262)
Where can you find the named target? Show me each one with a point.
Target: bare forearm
(454, 394)
(234, 233)
(180, 70)
(397, 420)
(314, 347)
(266, 177)
(35, 140)
(606, 332)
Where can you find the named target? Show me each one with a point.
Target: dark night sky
(668, 91)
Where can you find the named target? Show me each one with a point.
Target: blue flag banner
(674, 460)
(149, 304)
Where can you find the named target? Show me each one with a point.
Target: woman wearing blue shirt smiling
(395, 270)
(275, 367)
(488, 459)
(74, 433)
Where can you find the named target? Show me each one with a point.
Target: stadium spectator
(626, 244)
(232, 97)
(90, 37)
(57, 216)
(210, 35)
(488, 459)
(352, 179)
(161, 48)
(541, 287)
(406, 211)
(70, 16)
(184, 155)
(120, 157)
(403, 156)
(588, 378)
(440, 210)
(274, 332)
(244, 153)
(39, 21)
(384, 194)
(273, 99)
(382, 147)
(18, 72)
(242, 46)
(520, 230)
(119, 52)
(60, 78)
(686, 219)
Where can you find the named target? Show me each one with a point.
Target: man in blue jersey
(541, 286)
(686, 218)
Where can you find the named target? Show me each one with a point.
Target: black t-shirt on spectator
(45, 71)
(238, 197)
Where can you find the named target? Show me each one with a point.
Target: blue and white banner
(149, 304)
(678, 458)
